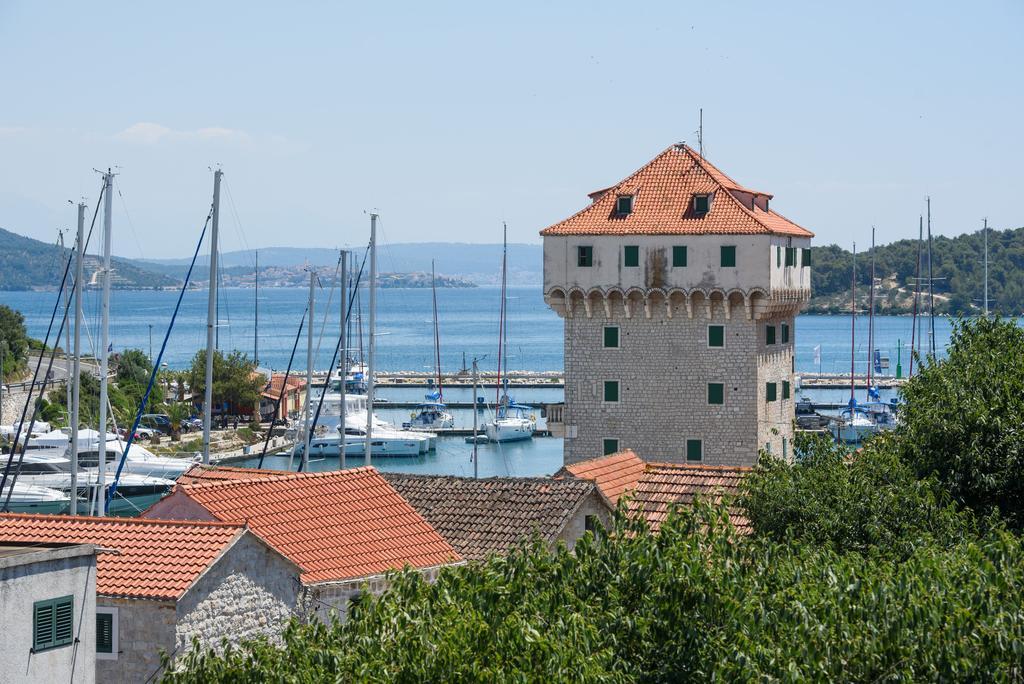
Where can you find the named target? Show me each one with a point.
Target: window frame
(618, 393)
(786, 390)
(791, 257)
(771, 391)
(631, 251)
(586, 251)
(706, 198)
(604, 445)
(38, 645)
(719, 389)
(727, 250)
(720, 328)
(114, 633)
(784, 332)
(805, 257)
(676, 251)
(700, 448)
(604, 337)
(770, 338)
(778, 256)
(618, 205)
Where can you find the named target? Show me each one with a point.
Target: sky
(449, 118)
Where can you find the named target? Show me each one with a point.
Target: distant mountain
(28, 264)
(478, 263)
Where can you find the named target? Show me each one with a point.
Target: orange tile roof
(336, 525)
(663, 193)
(664, 484)
(613, 474)
(154, 559)
(201, 472)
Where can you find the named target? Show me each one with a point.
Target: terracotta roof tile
(613, 474)
(335, 525)
(488, 516)
(663, 484)
(663, 193)
(155, 559)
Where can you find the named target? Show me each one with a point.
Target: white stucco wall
(43, 575)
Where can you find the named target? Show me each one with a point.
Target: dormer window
(701, 204)
(624, 205)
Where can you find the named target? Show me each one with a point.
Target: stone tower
(678, 287)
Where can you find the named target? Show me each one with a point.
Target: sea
(468, 324)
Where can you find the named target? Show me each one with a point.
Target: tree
(962, 418)
(235, 381)
(14, 341)
(134, 366)
(177, 413)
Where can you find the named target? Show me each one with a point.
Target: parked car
(157, 422)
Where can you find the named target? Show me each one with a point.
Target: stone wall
(144, 629)
(11, 405)
(775, 418)
(329, 599)
(594, 505)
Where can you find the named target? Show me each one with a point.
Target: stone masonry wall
(144, 628)
(663, 366)
(577, 526)
(334, 598)
(775, 418)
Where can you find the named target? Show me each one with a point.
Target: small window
(106, 633)
(631, 255)
(728, 256)
(624, 205)
(716, 393)
(701, 204)
(591, 523)
(53, 623)
(770, 391)
(678, 256)
(785, 389)
(769, 334)
(611, 337)
(584, 256)
(611, 391)
(610, 446)
(805, 259)
(785, 333)
(716, 335)
(784, 449)
(694, 450)
(791, 256)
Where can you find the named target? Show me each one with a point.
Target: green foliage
(14, 341)
(234, 381)
(693, 603)
(134, 366)
(123, 404)
(963, 416)
(871, 501)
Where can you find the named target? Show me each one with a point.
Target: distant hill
(478, 263)
(28, 264)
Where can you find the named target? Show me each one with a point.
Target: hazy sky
(450, 117)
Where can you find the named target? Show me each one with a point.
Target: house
(48, 605)
(651, 489)
(158, 584)
(290, 393)
(344, 528)
(481, 517)
(678, 288)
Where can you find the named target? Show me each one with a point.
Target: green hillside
(28, 264)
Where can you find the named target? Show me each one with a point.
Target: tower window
(791, 256)
(785, 333)
(611, 337)
(769, 334)
(716, 335)
(770, 391)
(631, 255)
(584, 256)
(778, 256)
(701, 204)
(806, 260)
(624, 205)
(728, 256)
(678, 256)
(611, 391)
(785, 389)
(610, 446)
(694, 450)
(716, 393)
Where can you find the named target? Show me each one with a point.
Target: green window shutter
(42, 625)
(728, 256)
(584, 256)
(611, 337)
(716, 336)
(785, 333)
(694, 450)
(64, 621)
(806, 257)
(104, 632)
(611, 446)
(611, 390)
(769, 334)
(778, 256)
(785, 389)
(631, 255)
(678, 256)
(791, 256)
(716, 393)
(770, 391)
(701, 204)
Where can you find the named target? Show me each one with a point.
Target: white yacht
(387, 439)
(27, 498)
(140, 460)
(512, 422)
(430, 415)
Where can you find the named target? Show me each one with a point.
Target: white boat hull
(509, 430)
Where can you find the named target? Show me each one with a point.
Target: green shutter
(611, 390)
(104, 632)
(716, 393)
(631, 254)
(791, 256)
(806, 261)
(694, 450)
(584, 256)
(728, 256)
(778, 256)
(769, 334)
(611, 446)
(770, 391)
(53, 623)
(611, 336)
(785, 333)
(701, 204)
(42, 625)
(785, 389)
(678, 256)
(716, 336)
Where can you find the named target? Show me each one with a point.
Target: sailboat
(432, 414)
(512, 422)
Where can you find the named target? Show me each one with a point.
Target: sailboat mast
(343, 343)
(931, 285)
(76, 372)
(211, 319)
(68, 293)
(985, 301)
(256, 315)
(367, 452)
(853, 324)
(502, 347)
(101, 436)
(871, 316)
(307, 429)
(437, 333)
(914, 337)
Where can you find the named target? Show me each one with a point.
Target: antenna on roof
(700, 133)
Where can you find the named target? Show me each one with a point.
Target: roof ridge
(548, 479)
(286, 477)
(113, 519)
(700, 161)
